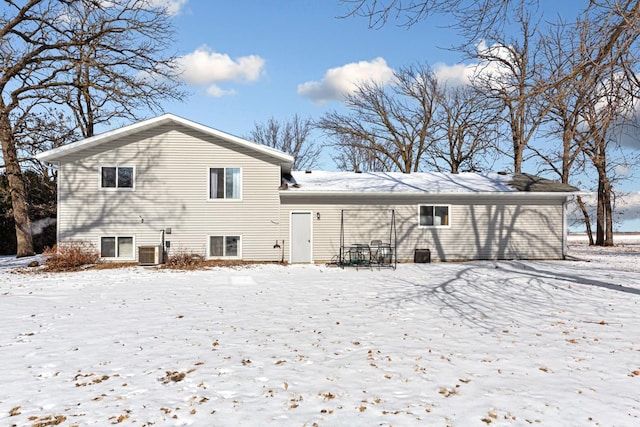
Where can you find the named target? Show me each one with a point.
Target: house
(169, 184)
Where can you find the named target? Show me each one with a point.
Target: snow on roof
(397, 182)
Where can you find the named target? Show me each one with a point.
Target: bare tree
(603, 37)
(40, 45)
(610, 106)
(611, 29)
(475, 16)
(292, 137)
(394, 124)
(618, 22)
(587, 113)
(469, 126)
(509, 77)
(351, 156)
(566, 103)
(43, 131)
(122, 71)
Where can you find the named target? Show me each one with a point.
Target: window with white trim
(116, 247)
(116, 177)
(434, 216)
(225, 183)
(224, 246)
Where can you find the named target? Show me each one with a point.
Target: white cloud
(454, 75)
(626, 209)
(173, 7)
(628, 130)
(622, 170)
(628, 206)
(463, 74)
(216, 91)
(204, 67)
(340, 81)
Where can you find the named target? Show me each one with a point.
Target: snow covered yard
(472, 344)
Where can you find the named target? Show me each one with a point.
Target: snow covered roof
(57, 153)
(325, 182)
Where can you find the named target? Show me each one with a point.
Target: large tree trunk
(587, 222)
(17, 189)
(608, 212)
(600, 212)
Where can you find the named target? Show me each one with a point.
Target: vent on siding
(149, 255)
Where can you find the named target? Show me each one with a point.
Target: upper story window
(434, 216)
(225, 183)
(116, 177)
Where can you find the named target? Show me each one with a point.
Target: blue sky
(249, 60)
(270, 50)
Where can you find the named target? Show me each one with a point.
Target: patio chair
(381, 253)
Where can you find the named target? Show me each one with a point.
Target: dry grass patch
(110, 265)
(70, 256)
(193, 261)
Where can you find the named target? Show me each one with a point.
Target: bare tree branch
(395, 124)
(292, 137)
(85, 55)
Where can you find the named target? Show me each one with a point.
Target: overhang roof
(385, 183)
(103, 138)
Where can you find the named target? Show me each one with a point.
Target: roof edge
(520, 194)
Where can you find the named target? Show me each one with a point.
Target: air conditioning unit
(149, 255)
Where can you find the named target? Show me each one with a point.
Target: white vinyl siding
(481, 227)
(172, 165)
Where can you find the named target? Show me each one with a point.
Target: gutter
(517, 194)
(565, 226)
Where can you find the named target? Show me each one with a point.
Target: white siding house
(172, 183)
(455, 217)
(175, 166)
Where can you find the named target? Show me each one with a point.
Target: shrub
(70, 256)
(185, 261)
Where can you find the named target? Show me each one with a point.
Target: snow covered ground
(553, 343)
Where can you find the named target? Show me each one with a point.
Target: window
(225, 183)
(434, 216)
(116, 247)
(224, 246)
(116, 177)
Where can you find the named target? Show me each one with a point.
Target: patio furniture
(378, 253)
(359, 254)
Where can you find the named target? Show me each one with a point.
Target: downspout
(162, 246)
(565, 227)
(58, 202)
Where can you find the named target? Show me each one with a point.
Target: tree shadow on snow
(491, 295)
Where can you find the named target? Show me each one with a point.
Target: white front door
(300, 237)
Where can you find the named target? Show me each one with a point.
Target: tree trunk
(608, 211)
(600, 213)
(518, 148)
(587, 222)
(16, 188)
